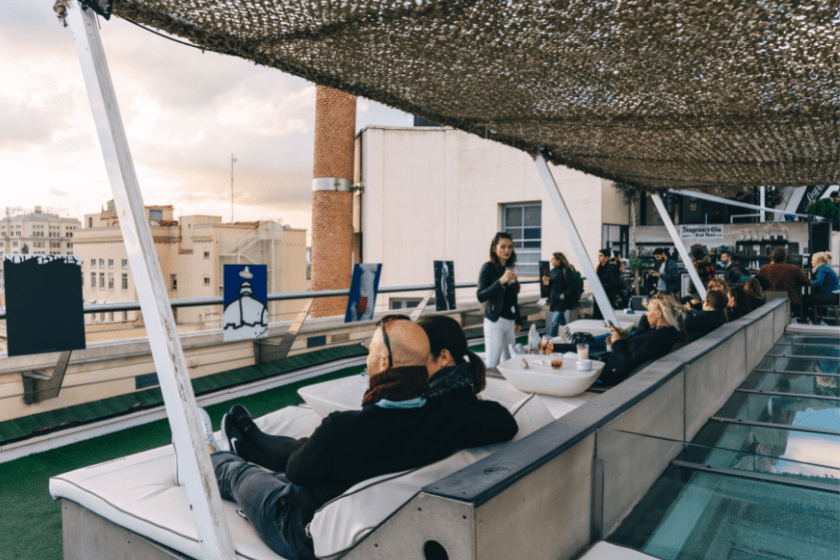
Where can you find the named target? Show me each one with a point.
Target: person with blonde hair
(665, 316)
(825, 282)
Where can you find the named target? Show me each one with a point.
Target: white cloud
(185, 113)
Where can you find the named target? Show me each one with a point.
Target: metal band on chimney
(331, 184)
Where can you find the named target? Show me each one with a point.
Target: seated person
(738, 305)
(644, 325)
(715, 284)
(453, 369)
(398, 428)
(825, 283)
(755, 293)
(701, 323)
(665, 316)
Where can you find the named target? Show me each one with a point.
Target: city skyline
(176, 103)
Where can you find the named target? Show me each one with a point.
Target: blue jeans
(270, 502)
(557, 320)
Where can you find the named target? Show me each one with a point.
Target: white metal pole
(574, 237)
(675, 237)
(179, 399)
(762, 202)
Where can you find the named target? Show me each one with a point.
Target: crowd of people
(669, 321)
(422, 401)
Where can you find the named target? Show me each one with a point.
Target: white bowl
(542, 379)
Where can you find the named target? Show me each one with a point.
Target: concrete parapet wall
(573, 482)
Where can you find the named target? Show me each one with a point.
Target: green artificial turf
(30, 521)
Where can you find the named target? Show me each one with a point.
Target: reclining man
(398, 428)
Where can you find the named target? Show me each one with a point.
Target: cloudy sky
(185, 113)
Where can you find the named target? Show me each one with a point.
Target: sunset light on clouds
(185, 112)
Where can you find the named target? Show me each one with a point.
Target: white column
(675, 237)
(762, 202)
(577, 243)
(179, 399)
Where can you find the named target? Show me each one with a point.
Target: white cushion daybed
(139, 492)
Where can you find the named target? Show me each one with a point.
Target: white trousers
(498, 337)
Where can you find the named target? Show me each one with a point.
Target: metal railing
(218, 300)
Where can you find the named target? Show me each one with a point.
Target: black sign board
(44, 305)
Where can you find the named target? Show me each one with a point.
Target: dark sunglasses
(382, 323)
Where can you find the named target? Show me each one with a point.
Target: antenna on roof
(232, 159)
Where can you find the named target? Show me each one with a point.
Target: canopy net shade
(651, 93)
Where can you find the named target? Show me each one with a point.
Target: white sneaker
(209, 438)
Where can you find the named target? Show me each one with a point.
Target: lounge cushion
(366, 505)
(139, 492)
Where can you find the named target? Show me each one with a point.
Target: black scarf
(449, 379)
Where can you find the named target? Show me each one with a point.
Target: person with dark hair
(755, 295)
(610, 279)
(564, 291)
(452, 367)
(783, 277)
(498, 290)
(399, 427)
(705, 269)
(715, 285)
(732, 271)
(738, 303)
(700, 323)
(622, 294)
(666, 272)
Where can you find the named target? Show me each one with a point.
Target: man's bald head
(409, 346)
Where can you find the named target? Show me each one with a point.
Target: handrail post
(179, 399)
(675, 237)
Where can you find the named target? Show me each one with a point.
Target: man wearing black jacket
(398, 428)
(701, 323)
(732, 271)
(610, 279)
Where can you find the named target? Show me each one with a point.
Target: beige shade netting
(654, 94)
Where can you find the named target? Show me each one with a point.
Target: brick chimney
(332, 200)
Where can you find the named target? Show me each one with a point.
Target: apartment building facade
(37, 233)
(192, 252)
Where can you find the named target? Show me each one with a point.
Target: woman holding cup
(498, 290)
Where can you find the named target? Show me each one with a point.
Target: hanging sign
(245, 301)
(44, 304)
(363, 289)
(707, 231)
(444, 285)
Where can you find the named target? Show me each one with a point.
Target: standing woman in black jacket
(562, 290)
(610, 279)
(499, 291)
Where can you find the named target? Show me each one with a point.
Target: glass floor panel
(804, 365)
(810, 384)
(809, 339)
(758, 449)
(821, 414)
(695, 515)
(809, 350)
